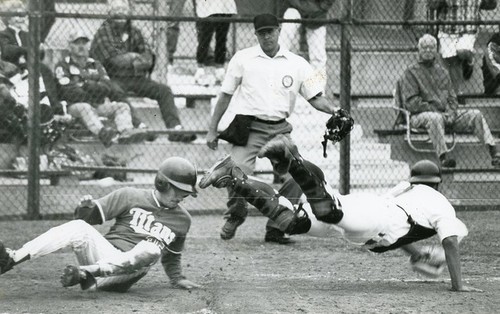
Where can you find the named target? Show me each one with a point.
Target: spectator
(149, 225)
(121, 48)
(262, 82)
(89, 93)
(14, 43)
(315, 32)
(456, 42)
(205, 30)
(174, 9)
(491, 66)
(427, 92)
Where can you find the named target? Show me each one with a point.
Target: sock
(20, 255)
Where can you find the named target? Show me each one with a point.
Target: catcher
(410, 212)
(149, 226)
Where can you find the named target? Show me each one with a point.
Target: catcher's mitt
(337, 127)
(432, 262)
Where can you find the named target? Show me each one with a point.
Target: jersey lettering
(144, 222)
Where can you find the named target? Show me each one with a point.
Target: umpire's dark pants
(245, 157)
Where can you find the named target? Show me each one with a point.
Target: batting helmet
(179, 172)
(425, 171)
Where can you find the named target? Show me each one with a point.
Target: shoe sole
(206, 178)
(282, 242)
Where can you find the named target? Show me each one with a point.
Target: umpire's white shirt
(268, 87)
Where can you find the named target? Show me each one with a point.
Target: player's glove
(431, 262)
(337, 127)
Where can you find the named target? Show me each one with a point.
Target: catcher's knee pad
(259, 194)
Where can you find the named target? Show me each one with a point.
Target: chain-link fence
(121, 129)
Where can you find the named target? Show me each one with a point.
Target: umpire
(262, 83)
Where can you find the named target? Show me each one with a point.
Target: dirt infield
(247, 275)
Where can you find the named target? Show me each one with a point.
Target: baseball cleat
(277, 236)
(219, 174)
(6, 262)
(229, 229)
(280, 150)
(73, 275)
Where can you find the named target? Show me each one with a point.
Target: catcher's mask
(178, 172)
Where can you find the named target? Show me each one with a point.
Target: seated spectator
(14, 96)
(85, 86)
(14, 46)
(491, 66)
(206, 30)
(427, 92)
(122, 50)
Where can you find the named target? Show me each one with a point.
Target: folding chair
(402, 122)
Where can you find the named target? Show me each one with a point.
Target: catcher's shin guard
(312, 182)
(265, 199)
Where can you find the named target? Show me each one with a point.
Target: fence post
(34, 111)
(345, 94)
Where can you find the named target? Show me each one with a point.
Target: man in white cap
(85, 86)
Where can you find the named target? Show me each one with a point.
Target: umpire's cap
(263, 21)
(425, 171)
(179, 172)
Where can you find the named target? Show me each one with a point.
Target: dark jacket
(311, 9)
(89, 83)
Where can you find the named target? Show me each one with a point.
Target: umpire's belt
(268, 121)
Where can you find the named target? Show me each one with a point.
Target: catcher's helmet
(425, 171)
(179, 172)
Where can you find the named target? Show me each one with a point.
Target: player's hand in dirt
(186, 284)
(86, 201)
(467, 289)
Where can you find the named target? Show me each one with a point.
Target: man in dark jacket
(14, 46)
(121, 48)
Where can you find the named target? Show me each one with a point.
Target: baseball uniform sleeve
(451, 226)
(444, 220)
(115, 203)
(233, 76)
(172, 265)
(313, 82)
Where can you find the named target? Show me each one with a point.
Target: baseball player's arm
(319, 102)
(171, 263)
(88, 211)
(450, 245)
(220, 109)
